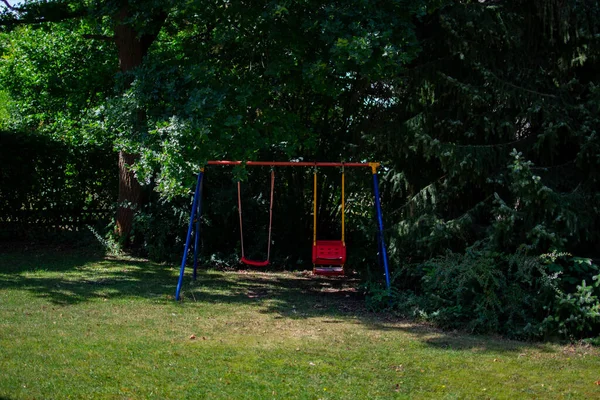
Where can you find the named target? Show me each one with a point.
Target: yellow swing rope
(343, 210)
(315, 208)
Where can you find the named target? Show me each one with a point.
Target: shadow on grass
(71, 277)
(67, 276)
(459, 341)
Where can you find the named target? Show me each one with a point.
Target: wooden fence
(26, 222)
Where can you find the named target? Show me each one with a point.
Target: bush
(575, 315)
(486, 291)
(518, 295)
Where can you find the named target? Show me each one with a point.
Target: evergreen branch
(552, 96)
(416, 196)
(475, 146)
(553, 166)
(473, 208)
(465, 214)
(489, 145)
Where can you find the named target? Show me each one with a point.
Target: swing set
(328, 256)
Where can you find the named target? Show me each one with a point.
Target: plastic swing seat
(329, 252)
(254, 263)
(329, 257)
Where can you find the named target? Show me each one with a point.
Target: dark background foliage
(51, 188)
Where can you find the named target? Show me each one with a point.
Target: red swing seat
(331, 253)
(253, 263)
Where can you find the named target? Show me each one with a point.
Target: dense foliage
(484, 113)
(502, 108)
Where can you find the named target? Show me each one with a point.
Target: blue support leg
(381, 240)
(189, 234)
(379, 252)
(197, 232)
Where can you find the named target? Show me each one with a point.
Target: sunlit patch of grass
(85, 326)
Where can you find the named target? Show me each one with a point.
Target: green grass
(77, 325)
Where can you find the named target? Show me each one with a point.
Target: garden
(441, 240)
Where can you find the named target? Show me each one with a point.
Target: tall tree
(135, 26)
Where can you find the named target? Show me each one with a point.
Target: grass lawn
(81, 325)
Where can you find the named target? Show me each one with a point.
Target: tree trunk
(132, 47)
(130, 195)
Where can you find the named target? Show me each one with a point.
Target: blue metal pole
(197, 233)
(188, 237)
(379, 252)
(380, 230)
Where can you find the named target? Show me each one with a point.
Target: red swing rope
(244, 259)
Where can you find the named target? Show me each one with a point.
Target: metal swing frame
(194, 225)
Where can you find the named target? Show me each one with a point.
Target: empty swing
(328, 255)
(244, 260)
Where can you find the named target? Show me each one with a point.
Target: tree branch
(99, 37)
(39, 13)
(7, 4)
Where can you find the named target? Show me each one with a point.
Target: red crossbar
(293, 164)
